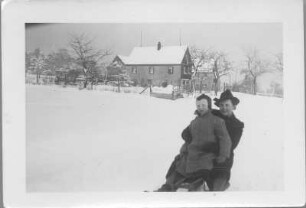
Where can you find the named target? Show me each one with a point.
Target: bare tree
(86, 54)
(201, 59)
(255, 66)
(221, 67)
(279, 61)
(211, 61)
(60, 60)
(36, 62)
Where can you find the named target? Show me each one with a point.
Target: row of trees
(210, 60)
(219, 65)
(79, 58)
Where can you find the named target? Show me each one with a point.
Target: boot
(165, 188)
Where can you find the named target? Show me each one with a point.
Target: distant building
(156, 65)
(203, 81)
(203, 78)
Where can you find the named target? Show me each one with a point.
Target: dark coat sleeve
(235, 132)
(222, 134)
(186, 134)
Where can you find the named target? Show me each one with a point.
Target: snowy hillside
(106, 141)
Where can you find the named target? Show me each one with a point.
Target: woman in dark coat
(220, 174)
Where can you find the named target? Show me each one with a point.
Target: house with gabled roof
(157, 64)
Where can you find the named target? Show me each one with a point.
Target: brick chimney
(159, 45)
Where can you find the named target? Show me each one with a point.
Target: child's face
(202, 106)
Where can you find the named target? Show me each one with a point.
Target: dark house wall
(180, 76)
(186, 66)
(159, 76)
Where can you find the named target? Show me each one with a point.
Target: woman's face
(202, 106)
(226, 107)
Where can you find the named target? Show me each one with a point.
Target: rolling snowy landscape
(91, 140)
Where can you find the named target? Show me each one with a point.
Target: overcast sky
(232, 38)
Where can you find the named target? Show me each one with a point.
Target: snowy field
(107, 141)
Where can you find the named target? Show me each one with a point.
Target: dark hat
(226, 95)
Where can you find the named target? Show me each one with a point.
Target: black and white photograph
(109, 106)
(156, 104)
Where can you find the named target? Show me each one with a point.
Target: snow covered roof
(152, 56)
(123, 58)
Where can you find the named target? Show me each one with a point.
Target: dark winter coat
(235, 129)
(203, 133)
(233, 126)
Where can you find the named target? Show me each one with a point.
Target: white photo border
(16, 13)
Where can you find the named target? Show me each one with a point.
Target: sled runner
(194, 186)
(197, 185)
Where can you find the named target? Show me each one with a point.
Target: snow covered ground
(106, 141)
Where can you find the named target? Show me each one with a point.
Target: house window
(134, 70)
(151, 70)
(186, 70)
(185, 81)
(170, 70)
